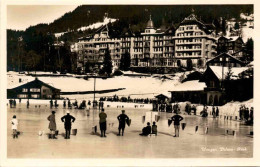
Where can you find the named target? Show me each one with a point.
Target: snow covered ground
(135, 87)
(142, 87)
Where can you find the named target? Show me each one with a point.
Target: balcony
(187, 43)
(169, 51)
(185, 50)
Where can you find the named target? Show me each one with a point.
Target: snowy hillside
(98, 24)
(92, 26)
(247, 28)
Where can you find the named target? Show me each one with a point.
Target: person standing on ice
(217, 112)
(67, 119)
(122, 118)
(251, 114)
(89, 105)
(213, 112)
(51, 103)
(28, 103)
(69, 104)
(14, 103)
(64, 103)
(11, 103)
(52, 124)
(56, 103)
(177, 119)
(103, 123)
(14, 126)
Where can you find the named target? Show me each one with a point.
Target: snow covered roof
(36, 81)
(225, 54)
(233, 38)
(167, 94)
(251, 64)
(194, 85)
(217, 70)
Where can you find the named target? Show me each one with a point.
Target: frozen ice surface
(131, 145)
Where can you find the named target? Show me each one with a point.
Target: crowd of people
(245, 114)
(128, 99)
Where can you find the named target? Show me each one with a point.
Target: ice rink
(86, 145)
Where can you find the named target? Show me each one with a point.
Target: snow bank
(229, 109)
(247, 33)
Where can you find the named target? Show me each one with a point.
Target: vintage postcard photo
(129, 81)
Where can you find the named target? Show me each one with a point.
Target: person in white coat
(14, 122)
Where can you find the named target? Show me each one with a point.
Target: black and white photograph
(129, 81)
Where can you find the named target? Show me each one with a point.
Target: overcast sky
(20, 17)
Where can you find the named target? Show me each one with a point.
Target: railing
(193, 49)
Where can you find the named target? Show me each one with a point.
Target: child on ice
(14, 122)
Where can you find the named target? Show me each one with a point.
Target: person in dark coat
(28, 103)
(52, 125)
(14, 102)
(56, 103)
(251, 114)
(122, 118)
(217, 112)
(146, 130)
(213, 112)
(246, 114)
(67, 119)
(177, 119)
(64, 103)
(103, 123)
(51, 103)
(11, 103)
(154, 128)
(69, 104)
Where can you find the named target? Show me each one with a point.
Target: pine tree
(224, 26)
(249, 48)
(125, 61)
(107, 64)
(236, 26)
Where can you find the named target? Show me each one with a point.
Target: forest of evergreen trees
(36, 49)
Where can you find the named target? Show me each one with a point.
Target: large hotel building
(190, 44)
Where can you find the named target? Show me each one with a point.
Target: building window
(35, 90)
(35, 96)
(22, 96)
(25, 90)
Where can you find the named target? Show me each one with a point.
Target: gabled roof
(218, 71)
(166, 95)
(35, 82)
(128, 33)
(170, 31)
(192, 19)
(102, 28)
(194, 85)
(112, 33)
(226, 54)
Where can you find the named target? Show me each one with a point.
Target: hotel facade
(188, 45)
